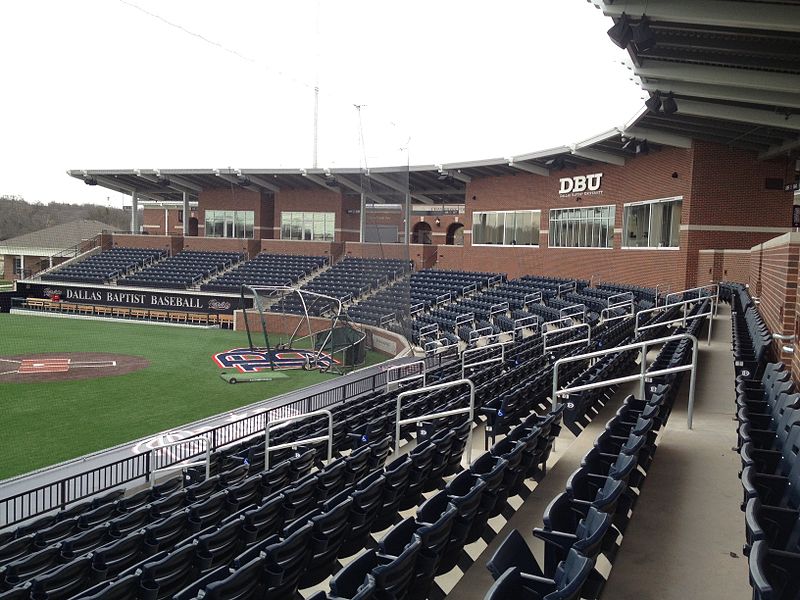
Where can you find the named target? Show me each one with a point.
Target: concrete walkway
(686, 534)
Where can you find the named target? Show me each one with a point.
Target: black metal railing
(58, 494)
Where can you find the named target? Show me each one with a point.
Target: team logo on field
(247, 360)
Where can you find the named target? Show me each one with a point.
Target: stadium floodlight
(90, 180)
(557, 163)
(669, 106)
(643, 36)
(642, 147)
(621, 32)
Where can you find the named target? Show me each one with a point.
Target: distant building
(25, 255)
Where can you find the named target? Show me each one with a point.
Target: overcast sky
(212, 84)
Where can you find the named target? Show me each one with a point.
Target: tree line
(18, 217)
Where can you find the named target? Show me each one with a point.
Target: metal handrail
(683, 319)
(532, 298)
(269, 424)
(184, 465)
(604, 318)
(641, 376)
(581, 311)
(396, 382)
(448, 413)
(502, 358)
(627, 295)
(561, 320)
(587, 340)
(526, 323)
(428, 329)
(698, 289)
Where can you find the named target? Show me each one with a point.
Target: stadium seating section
(185, 269)
(266, 270)
(104, 267)
(267, 525)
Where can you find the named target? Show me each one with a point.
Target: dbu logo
(580, 183)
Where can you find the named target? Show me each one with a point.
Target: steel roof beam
(597, 155)
(709, 75)
(740, 15)
(658, 137)
(535, 169)
(740, 114)
(723, 92)
(783, 149)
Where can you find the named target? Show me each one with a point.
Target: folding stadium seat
(421, 466)
(300, 465)
(565, 529)
(208, 512)
(492, 470)
(276, 477)
(300, 498)
(514, 473)
(392, 574)
(366, 502)
(165, 533)
(330, 530)
(55, 533)
(119, 555)
(566, 584)
(357, 465)
(85, 541)
(66, 580)
(16, 548)
(773, 573)
(21, 570)
(169, 504)
(778, 527)
(265, 520)
(379, 451)
(121, 526)
(285, 562)
(396, 475)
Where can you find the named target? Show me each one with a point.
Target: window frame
(589, 227)
(298, 223)
(656, 201)
(537, 228)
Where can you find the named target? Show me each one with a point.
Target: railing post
(62, 492)
(642, 371)
(147, 466)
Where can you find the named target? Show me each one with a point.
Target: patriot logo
(248, 360)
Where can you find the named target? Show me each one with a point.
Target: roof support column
(186, 214)
(407, 220)
(134, 211)
(362, 219)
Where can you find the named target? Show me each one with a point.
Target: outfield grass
(46, 423)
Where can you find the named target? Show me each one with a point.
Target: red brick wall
(423, 255)
(170, 244)
(642, 178)
(303, 248)
(215, 244)
(778, 295)
(236, 199)
(736, 265)
(320, 200)
(153, 220)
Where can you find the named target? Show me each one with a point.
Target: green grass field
(46, 423)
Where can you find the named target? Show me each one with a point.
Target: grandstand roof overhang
(732, 67)
(427, 184)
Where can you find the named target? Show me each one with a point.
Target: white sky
(100, 84)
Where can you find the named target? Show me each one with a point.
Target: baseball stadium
(433, 381)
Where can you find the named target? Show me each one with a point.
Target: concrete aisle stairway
(685, 538)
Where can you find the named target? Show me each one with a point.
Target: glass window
(506, 228)
(307, 226)
(591, 227)
(655, 224)
(229, 223)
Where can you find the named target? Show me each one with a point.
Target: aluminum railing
(643, 374)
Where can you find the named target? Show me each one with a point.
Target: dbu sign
(580, 183)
